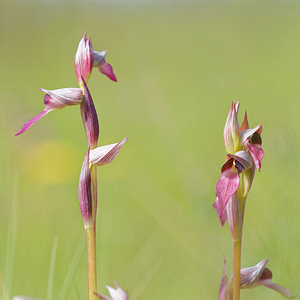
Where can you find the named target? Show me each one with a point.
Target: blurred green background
(179, 66)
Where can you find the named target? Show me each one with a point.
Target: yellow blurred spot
(52, 162)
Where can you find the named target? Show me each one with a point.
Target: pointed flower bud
(116, 294)
(231, 130)
(229, 182)
(89, 117)
(224, 293)
(104, 67)
(84, 60)
(106, 154)
(55, 99)
(260, 275)
(84, 190)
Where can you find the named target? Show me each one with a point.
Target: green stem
(90, 233)
(237, 243)
(236, 270)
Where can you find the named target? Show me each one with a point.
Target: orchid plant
(85, 60)
(244, 156)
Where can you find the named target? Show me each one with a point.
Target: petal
(251, 275)
(243, 158)
(99, 58)
(60, 98)
(227, 185)
(245, 124)
(245, 134)
(278, 288)
(107, 70)
(224, 293)
(24, 298)
(231, 130)
(84, 60)
(84, 190)
(102, 297)
(233, 213)
(257, 153)
(30, 122)
(223, 218)
(106, 154)
(89, 117)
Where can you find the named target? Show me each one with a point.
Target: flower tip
(107, 70)
(30, 122)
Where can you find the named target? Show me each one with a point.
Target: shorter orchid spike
(116, 294)
(106, 154)
(89, 117)
(224, 293)
(84, 60)
(55, 99)
(104, 67)
(84, 191)
(259, 275)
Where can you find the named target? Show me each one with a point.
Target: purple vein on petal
(30, 122)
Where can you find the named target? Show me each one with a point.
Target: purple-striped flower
(259, 275)
(55, 99)
(86, 59)
(106, 154)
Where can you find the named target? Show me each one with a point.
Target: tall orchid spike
(55, 99)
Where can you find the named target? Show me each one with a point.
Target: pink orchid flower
(55, 99)
(104, 67)
(86, 59)
(229, 182)
(259, 275)
(104, 155)
(243, 146)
